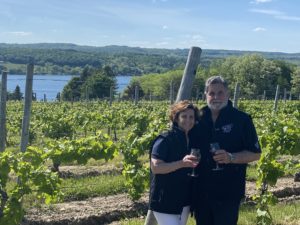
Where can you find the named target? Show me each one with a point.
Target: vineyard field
(89, 160)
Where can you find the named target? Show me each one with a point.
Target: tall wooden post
(171, 92)
(276, 99)
(111, 95)
(190, 70)
(27, 107)
(45, 96)
(264, 95)
(3, 111)
(236, 95)
(86, 93)
(136, 95)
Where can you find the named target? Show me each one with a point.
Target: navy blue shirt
(235, 132)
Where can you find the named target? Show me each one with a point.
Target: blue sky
(256, 25)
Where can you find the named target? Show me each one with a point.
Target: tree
(71, 90)
(16, 94)
(159, 85)
(87, 71)
(296, 81)
(129, 91)
(58, 97)
(91, 84)
(286, 70)
(98, 85)
(253, 72)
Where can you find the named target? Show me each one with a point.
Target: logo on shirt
(227, 128)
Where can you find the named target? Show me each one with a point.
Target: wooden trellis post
(27, 107)
(190, 70)
(136, 95)
(3, 111)
(171, 92)
(276, 99)
(236, 95)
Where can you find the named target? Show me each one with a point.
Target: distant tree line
(70, 61)
(123, 60)
(253, 72)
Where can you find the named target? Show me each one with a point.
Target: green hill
(60, 58)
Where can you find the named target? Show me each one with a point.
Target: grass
(283, 214)
(82, 188)
(251, 173)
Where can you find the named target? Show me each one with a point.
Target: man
(217, 193)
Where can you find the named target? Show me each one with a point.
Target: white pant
(173, 219)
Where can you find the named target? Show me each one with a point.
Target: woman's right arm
(160, 167)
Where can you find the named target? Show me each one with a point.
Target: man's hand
(222, 157)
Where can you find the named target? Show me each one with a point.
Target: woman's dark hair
(181, 106)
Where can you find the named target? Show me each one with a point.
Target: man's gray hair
(215, 80)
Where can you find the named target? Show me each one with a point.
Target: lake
(51, 84)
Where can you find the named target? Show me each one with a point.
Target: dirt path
(107, 210)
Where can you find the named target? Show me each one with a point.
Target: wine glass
(213, 148)
(195, 152)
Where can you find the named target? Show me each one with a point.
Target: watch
(231, 157)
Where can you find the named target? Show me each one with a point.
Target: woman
(170, 164)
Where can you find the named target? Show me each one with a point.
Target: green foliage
(56, 125)
(71, 59)
(296, 81)
(81, 150)
(137, 126)
(159, 85)
(16, 95)
(254, 74)
(33, 177)
(279, 135)
(92, 84)
(136, 144)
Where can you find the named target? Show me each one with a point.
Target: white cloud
(267, 12)
(294, 18)
(276, 14)
(165, 27)
(259, 29)
(154, 1)
(18, 33)
(260, 1)
(160, 44)
(189, 40)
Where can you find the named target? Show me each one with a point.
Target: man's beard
(217, 106)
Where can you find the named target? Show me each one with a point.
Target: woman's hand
(190, 161)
